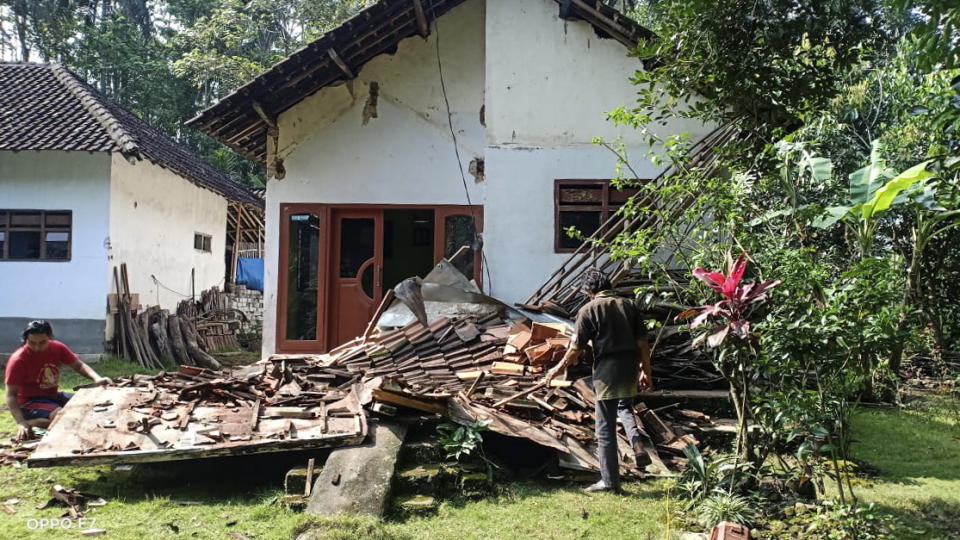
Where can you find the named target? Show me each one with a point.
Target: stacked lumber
(216, 322)
(153, 334)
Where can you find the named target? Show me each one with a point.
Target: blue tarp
(250, 273)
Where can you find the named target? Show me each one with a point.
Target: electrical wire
(478, 238)
(160, 284)
(180, 294)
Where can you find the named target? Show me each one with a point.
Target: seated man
(33, 376)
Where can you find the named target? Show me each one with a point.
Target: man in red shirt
(33, 376)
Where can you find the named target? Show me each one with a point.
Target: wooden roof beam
(244, 133)
(332, 53)
(262, 113)
(422, 25)
(618, 32)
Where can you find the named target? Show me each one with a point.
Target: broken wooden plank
(309, 483)
(519, 395)
(398, 399)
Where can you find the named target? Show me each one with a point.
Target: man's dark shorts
(42, 407)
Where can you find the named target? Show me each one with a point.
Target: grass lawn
(919, 457)
(917, 450)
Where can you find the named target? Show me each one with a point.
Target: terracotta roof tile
(46, 107)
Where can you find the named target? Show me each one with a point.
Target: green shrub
(724, 507)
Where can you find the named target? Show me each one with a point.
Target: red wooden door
(355, 273)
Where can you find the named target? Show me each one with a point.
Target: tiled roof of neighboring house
(46, 107)
(243, 119)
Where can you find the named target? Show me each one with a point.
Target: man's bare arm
(569, 358)
(82, 368)
(25, 431)
(646, 377)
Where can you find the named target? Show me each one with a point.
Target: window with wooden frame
(584, 205)
(202, 242)
(35, 235)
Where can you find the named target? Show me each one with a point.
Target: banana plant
(798, 166)
(874, 189)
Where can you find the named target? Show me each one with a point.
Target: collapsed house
(458, 355)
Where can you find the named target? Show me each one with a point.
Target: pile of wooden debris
(491, 371)
(188, 335)
(194, 413)
(149, 335)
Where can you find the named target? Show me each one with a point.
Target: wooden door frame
(324, 213)
(338, 213)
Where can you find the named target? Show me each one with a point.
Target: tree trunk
(21, 22)
(179, 347)
(159, 336)
(201, 358)
(162, 319)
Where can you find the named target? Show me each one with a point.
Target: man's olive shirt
(613, 325)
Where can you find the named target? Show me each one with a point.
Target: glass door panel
(302, 279)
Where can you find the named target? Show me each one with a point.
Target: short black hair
(37, 327)
(594, 281)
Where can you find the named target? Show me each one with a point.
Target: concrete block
(417, 505)
(295, 481)
(420, 452)
(356, 480)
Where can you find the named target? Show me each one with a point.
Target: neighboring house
(85, 186)
(379, 165)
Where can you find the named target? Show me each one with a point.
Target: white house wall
(551, 82)
(72, 295)
(155, 215)
(405, 155)
(549, 86)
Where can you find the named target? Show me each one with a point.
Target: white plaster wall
(549, 86)
(51, 180)
(155, 214)
(405, 155)
(519, 210)
(551, 82)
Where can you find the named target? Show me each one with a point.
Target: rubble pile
(493, 371)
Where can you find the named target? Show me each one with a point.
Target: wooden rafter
(332, 53)
(422, 23)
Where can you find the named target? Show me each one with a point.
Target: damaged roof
(47, 107)
(243, 119)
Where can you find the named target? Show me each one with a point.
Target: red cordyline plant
(729, 316)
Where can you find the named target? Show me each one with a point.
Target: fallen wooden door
(356, 272)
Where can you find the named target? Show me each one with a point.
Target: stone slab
(356, 480)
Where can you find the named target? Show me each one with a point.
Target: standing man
(33, 377)
(616, 328)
